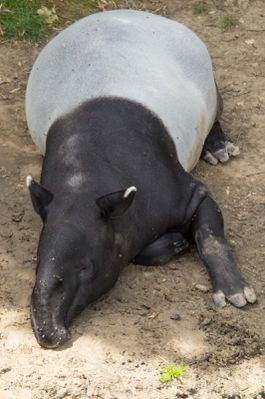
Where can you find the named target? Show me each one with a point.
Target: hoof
(238, 299)
(222, 154)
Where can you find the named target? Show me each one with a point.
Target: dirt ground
(159, 315)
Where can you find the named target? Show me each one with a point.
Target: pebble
(175, 317)
(201, 287)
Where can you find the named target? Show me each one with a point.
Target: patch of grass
(229, 21)
(35, 19)
(199, 8)
(19, 19)
(173, 372)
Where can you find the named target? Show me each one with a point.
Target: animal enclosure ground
(157, 315)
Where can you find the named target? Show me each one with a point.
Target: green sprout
(199, 8)
(229, 21)
(173, 372)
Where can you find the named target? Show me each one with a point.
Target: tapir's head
(79, 257)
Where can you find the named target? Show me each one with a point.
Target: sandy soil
(153, 316)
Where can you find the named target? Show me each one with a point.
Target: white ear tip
(129, 191)
(28, 181)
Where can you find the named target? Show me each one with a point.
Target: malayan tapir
(122, 104)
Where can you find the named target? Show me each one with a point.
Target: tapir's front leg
(208, 231)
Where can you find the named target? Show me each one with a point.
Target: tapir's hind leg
(162, 250)
(217, 146)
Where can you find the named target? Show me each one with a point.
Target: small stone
(250, 41)
(206, 321)
(201, 287)
(175, 317)
(5, 370)
(153, 315)
(232, 243)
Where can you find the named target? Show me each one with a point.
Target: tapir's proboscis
(122, 104)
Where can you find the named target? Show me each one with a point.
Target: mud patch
(240, 342)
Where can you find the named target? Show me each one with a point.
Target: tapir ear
(115, 204)
(40, 197)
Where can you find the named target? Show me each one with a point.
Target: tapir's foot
(162, 250)
(228, 282)
(217, 147)
(233, 288)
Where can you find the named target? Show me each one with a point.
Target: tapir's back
(130, 54)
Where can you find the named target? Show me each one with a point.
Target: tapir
(122, 104)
